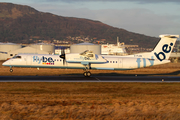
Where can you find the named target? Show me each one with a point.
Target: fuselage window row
(112, 62)
(57, 60)
(39, 59)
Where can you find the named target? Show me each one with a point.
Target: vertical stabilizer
(165, 46)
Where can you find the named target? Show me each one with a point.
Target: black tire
(11, 70)
(88, 73)
(85, 74)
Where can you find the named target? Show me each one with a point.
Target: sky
(148, 17)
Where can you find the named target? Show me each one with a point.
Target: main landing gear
(87, 73)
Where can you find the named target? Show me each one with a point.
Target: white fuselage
(54, 61)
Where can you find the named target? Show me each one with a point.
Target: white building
(112, 49)
(25, 50)
(50, 48)
(5, 48)
(81, 47)
(9, 50)
(58, 51)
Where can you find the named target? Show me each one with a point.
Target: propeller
(63, 56)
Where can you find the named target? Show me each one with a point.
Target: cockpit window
(17, 57)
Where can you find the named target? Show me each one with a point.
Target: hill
(19, 23)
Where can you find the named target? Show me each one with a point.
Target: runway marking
(97, 79)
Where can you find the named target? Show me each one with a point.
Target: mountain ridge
(21, 22)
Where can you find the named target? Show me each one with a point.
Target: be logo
(43, 59)
(50, 60)
(165, 49)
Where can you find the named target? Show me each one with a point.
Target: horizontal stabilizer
(169, 36)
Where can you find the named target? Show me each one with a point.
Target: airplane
(87, 60)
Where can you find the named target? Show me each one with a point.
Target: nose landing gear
(11, 70)
(87, 73)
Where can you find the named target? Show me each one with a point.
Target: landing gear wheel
(11, 70)
(87, 74)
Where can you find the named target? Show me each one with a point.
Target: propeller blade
(64, 61)
(63, 56)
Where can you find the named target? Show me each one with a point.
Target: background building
(8, 50)
(50, 48)
(5, 48)
(79, 48)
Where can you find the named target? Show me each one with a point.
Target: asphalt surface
(90, 79)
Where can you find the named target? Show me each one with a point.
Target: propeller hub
(62, 56)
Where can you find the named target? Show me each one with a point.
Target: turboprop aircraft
(88, 60)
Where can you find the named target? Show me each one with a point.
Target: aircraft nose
(6, 63)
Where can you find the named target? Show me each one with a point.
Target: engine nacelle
(85, 58)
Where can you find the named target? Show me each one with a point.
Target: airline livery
(88, 60)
